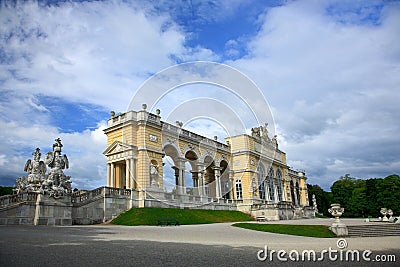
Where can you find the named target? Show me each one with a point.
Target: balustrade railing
(18, 198)
(82, 196)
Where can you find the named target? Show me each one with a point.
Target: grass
(300, 230)
(149, 216)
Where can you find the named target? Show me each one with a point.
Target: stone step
(385, 229)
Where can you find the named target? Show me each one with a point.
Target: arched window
(279, 184)
(261, 182)
(239, 191)
(271, 188)
(297, 194)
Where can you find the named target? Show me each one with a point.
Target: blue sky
(330, 71)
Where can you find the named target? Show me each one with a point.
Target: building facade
(246, 172)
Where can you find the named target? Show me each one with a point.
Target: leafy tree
(361, 198)
(373, 207)
(342, 191)
(322, 197)
(388, 193)
(5, 190)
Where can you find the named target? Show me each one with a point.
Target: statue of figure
(265, 130)
(55, 183)
(36, 168)
(255, 132)
(314, 200)
(57, 180)
(275, 141)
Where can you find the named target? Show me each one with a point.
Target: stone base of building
(36, 209)
(105, 203)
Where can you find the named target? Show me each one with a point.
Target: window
(239, 191)
(279, 184)
(271, 188)
(261, 182)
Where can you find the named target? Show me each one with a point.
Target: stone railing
(18, 198)
(85, 196)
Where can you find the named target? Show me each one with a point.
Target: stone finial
(158, 111)
(144, 106)
(112, 113)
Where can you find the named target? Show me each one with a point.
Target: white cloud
(333, 87)
(82, 51)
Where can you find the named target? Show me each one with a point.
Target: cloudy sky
(330, 71)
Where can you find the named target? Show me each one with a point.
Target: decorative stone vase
(390, 213)
(384, 212)
(336, 211)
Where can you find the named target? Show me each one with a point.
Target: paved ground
(188, 245)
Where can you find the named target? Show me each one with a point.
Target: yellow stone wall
(242, 159)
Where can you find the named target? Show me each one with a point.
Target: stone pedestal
(339, 229)
(50, 211)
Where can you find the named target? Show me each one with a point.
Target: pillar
(133, 172)
(195, 177)
(177, 182)
(127, 174)
(112, 175)
(231, 181)
(108, 174)
(217, 174)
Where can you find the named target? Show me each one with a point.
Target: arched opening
(261, 182)
(209, 177)
(292, 193)
(192, 176)
(225, 183)
(271, 186)
(171, 169)
(279, 185)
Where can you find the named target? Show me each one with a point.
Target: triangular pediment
(117, 147)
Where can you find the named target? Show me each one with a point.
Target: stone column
(195, 177)
(132, 170)
(217, 174)
(176, 169)
(112, 184)
(231, 184)
(182, 180)
(127, 174)
(108, 174)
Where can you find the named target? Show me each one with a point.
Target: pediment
(117, 147)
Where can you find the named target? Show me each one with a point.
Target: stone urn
(336, 211)
(384, 212)
(390, 213)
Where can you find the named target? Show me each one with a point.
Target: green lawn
(301, 230)
(149, 216)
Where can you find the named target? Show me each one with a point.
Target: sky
(329, 70)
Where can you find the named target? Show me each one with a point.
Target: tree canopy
(360, 198)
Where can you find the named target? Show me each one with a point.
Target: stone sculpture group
(55, 183)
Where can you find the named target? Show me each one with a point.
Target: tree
(5, 190)
(322, 197)
(388, 193)
(342, 191)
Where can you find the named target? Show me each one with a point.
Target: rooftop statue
(55, 183)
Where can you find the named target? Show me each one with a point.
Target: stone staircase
(376, 229)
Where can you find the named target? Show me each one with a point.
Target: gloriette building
(246, 172)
